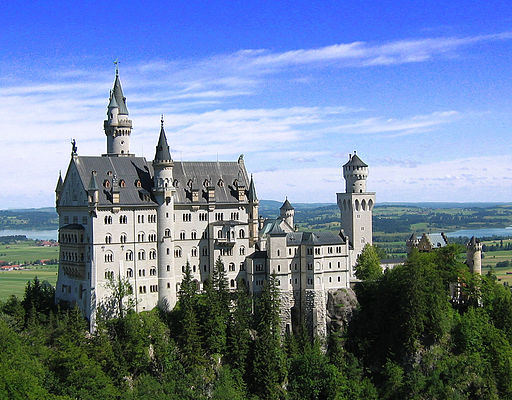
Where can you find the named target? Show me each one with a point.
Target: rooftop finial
(74, 149)
(116, 62)
(162, 121)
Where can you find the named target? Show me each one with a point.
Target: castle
(122, 216)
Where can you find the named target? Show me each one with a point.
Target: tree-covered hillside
(425, 330)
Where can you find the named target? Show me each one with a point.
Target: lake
(484, 232)
(30, 234)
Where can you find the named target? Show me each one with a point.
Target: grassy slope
(14, 282)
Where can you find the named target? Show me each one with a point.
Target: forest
(427, 329)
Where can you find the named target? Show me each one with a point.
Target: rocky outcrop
(340, 306)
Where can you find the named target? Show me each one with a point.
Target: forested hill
(388, 218)
(402, 218)
(32, 218)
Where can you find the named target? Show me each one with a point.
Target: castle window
(142, 272)
(241, 234)
(152, 271)
(317, 251)
(122, 183)
(182, 235)
(204, 235)
(242, 251)
(177, 252)
(194, 252)
(219, 216)
(109, 274)
(168, 268)
(152, 237)
(167, 232)
(193, 235)
(138, 183)
(153, 288)
(108, 239)
(289, 251)
(142, 289)
(232, 283)
(232, 267)
(330, 279)
(152, 254)
(129, 255)
(123, 219)
(278, 268)
(187, 217)
(203, 217)
(140, 237)
(193, 268)
(108, 220)
(242, 266)
(106, 183)
(141, 255)
(278, 252)
(220, 183)
(168, 285)
(339, 264)
(109, 256)
(204, 251)
(140, 219)
(339, 279)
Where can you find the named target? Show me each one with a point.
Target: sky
(421, 90)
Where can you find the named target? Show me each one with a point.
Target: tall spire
(117, 125)
(162, 148)
(251, 195)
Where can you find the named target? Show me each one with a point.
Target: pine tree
(269, 367)
(189, 336)
(239, 330)
(214, 320)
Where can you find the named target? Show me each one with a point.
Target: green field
(14, 282)
(27, 252)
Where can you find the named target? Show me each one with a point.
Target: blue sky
(420, 89)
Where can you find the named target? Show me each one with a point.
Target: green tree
(120, 299)
(269, 366)
(190, 341)
(368, 264)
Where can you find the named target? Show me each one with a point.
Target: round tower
(164, 194)
(474, 256)
(117, 126)
(355, 172)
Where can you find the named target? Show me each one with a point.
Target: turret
(93, 190)
(356, 204)
(287, 212)
(254, 225)
(474, 256)
(355, 172)
(117, 126)
(164, 195)
(58, 190)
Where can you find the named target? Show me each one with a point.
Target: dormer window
(106, 183)
(220, 183)
(175, 183)
(122, 183)
(138, 183)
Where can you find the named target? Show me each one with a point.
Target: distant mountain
(32, 218)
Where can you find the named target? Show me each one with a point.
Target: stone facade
(121, 216)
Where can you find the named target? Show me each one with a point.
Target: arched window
(152, 271)
(108, 238)
(129, 255)
(109, 256)
(194, 251)
(109, 274)
(232, 283)
(278, 252)
(177, 252)
(363, 204)
(142, 255)
(232, 267)
(122, 183)
(152, 254)
(241, 234)
(242, 250)
(129, 273)
(356, 205)
(167, 232)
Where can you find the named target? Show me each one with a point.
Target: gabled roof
(58, 188)
(355, 161)
(119, 96)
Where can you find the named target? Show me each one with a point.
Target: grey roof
(355, 161)
(276, 230)
(113, 102)
(437, 239)
(219, 174)
(286, 206)
(162, 148)
(251, 195)
(258, 254)
(222, 176)
(314, 238)
(119, 96)
(128, 169)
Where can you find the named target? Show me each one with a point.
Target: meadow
(14, 282)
